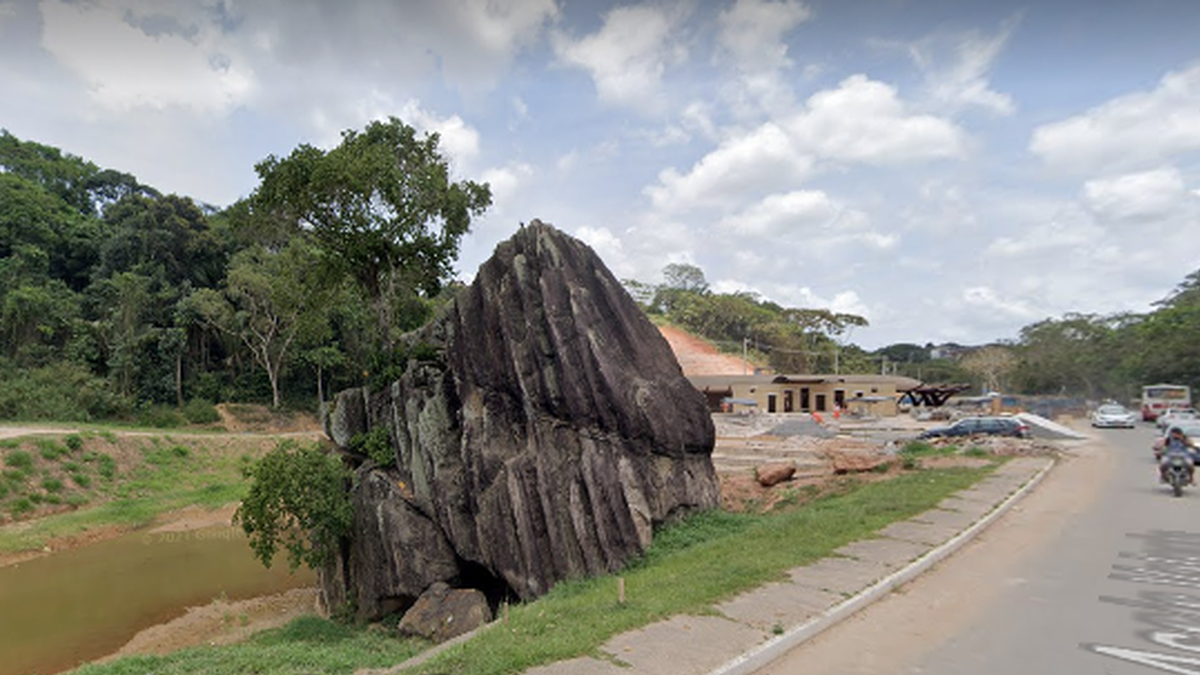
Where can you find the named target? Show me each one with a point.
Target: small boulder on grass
(768, 475)
(442, 613)
(853, 462)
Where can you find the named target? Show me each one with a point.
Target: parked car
(1190, 428)
(1176, 415)
(969, 426)
(1113, 415)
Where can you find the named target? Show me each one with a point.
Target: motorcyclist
(1178, 443)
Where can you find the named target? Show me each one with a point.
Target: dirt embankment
(699, 357)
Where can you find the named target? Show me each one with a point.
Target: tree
(76, 182)
(268, 301)
(685, 277)
(1077, 353)
(991, 364)
(298, 502)
(381, 206)
(170, 234)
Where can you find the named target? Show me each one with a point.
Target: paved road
(1097, 572)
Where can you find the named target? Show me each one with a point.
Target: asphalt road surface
(1097, 571)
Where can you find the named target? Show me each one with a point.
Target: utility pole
(745, 350)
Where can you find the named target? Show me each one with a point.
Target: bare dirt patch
(221, 622)
(246, 418)
(699, 357)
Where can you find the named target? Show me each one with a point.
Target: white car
(1110, 416)
(1176, 415)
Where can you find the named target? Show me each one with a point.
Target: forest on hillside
(1078, 355)
(120, 302)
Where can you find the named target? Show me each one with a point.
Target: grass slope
(692, 565)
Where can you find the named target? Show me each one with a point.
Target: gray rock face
(542, 428)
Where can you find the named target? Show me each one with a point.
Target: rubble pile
(1003, 446)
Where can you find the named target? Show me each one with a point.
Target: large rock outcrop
(541, 427)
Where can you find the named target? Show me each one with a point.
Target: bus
(1158, 398)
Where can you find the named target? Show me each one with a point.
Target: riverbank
(137, 504)
(222, 621)
(63, 487)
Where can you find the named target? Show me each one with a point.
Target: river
(69, 607)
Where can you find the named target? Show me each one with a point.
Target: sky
(951, 170)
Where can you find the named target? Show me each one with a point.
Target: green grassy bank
(692, 565)
(61, 486)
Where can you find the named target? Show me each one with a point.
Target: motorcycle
(1177, 470)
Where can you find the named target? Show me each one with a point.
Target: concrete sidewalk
(757, 627)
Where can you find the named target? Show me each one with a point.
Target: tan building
(874, 395)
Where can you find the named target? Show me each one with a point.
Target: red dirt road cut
(698, 357)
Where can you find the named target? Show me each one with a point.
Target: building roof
(725, 382)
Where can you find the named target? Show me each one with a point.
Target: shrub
(74, 442)
(106, 466)
(19, 460)
(200, 411)
(52, 484)
(62, 391)
(50, 450)
(76, 500)
(160, 417)
(82, 480)
(21, 506)
(376, 444)
(297, 501)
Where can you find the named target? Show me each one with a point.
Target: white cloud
(755, 162)
(520, 113)
(1135, 128)
(1058, 236)
(499, 27)
(795, 212)
(751, 44)
(697, 117)
(606, 244)
(865, 121)
(944, 207)
(628, 56)
(752, 31)
(506, 182)
(456, 138)
(468, 43)
(1148, 195)
(956, 69)
(986, 299)
(131, 57)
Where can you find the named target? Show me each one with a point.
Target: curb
(774, 648)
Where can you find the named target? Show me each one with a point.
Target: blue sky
(951, 170)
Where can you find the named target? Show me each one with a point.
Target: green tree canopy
(79, 183)
(381, 206)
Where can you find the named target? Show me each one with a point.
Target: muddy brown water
(64, 609)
